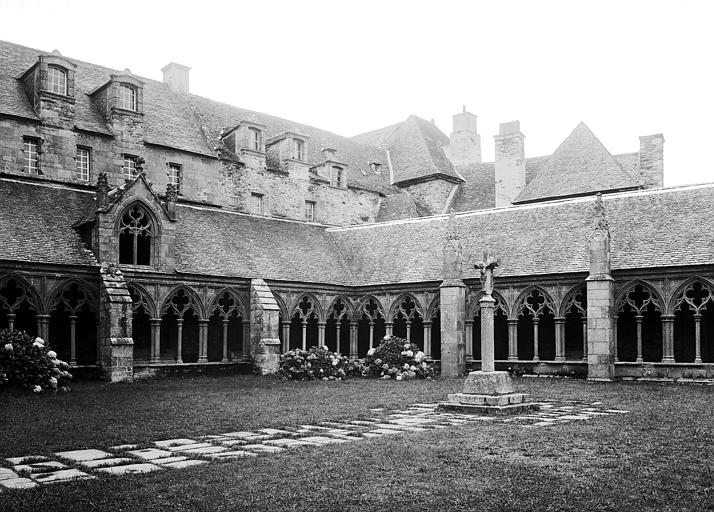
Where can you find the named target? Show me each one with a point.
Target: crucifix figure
(486, 267)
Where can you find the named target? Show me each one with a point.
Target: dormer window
(299, 153)
(375, 167)
(338, 177)
(255, 140)
(57, 80)
(127, 97)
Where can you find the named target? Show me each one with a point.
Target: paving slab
(206, 450)
(84, 455)
(276, 432)
(322, 440)
(40, 467)
(313, 427)
(130, 469)
(100, 463)
(27, 459)
(289, 443)
(573, 417)
(62, 475)
(7, 474)
(620, 411)
(232, 454)
(193, 446)
(386, 431)
(262, 448)
(123, 447)
(185, 463)
(174, 442)
(150, 453)
(18, 483)
(168, 460)
(233, 442)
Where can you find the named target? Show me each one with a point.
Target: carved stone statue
(486, 267)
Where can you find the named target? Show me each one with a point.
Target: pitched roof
(401, 206)
(658, 228)
(580, 165)
(36, 223)
(479, 190)
(415, 149)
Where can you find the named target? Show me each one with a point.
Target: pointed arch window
(136, 234)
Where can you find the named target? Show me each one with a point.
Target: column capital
(512, 321)
(203, 321)
(427, 323)
(667, 318)
(467, 322)
(321, 324)
(559, 319)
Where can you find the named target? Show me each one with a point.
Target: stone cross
(487, 303)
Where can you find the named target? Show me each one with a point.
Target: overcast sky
(625, 68)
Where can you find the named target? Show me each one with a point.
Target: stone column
(224, 324)
(203, 340)
(304, 334)
(285, 326)
(72, 340)
(585, 339)
(536, 321)
(559, 339)
(614, 335)
(697, 338)
(10, 321)
(371, 334)
(338, 333)
(320, 334)
(668, 338)
(487, 304)
(155, 339)
(389, 327)
(264, 325)
(512, 339)
(246, 340)
(638, 320)
(179, 340)
(409, 330)
(353, 339)
(469, 340)
(452, 302)
(600, 301)
(427, 338)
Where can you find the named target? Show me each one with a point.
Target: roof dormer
(49, 85)
(123, 94)
(246, 136)
(289, 150)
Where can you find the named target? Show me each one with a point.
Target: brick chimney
(510, 163)
(465, 142)
(176, 76)
(652, 160)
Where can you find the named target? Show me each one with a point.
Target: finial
(600, 219)
(451, 233)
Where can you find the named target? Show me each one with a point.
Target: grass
(658, 457)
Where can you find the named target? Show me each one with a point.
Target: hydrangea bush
(27, 363)
(397, 358)
(317, 363)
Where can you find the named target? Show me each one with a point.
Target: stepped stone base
(488, 393)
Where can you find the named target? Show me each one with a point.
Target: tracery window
(135, 237)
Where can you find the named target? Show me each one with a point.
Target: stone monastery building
(143, 228)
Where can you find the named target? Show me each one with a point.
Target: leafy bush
(397, 358)
(27, 363)
(317, 363)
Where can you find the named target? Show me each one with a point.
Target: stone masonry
(453, 312)
(264, 325)
(116, 347)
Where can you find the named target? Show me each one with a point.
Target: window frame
(62, 84)
(259, 200)
(134, 232)
(337, 177)
(299, 150)
(132, 170)
(255, 139)
(311, 211)
(176, 179)
(79, 169)
(28, 143)
(121, 97)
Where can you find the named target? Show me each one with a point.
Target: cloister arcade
(186, 326)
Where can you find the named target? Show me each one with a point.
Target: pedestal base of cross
(488, 393)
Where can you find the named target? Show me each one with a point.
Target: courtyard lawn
(658, 457)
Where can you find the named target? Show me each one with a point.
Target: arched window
(135, 237)
(127, 97)
(56, 80)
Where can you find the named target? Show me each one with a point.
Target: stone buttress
(264, 325)
(116, 346)
(453, 310)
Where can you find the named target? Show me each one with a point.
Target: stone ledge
(489, 409)
(490, 400)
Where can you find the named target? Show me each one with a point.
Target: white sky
(625, 68)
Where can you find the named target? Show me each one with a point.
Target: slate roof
(36, 223)
(415, 148)
(401, 206)
(217, 116)
(649, 229)
(580, 165)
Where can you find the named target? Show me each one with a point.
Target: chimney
(652, 160)
(176, 76)
(465, 142)
(510, 163)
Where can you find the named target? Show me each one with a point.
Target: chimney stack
(176, 76)
(652, 160)
(510, 163)
(465, 142)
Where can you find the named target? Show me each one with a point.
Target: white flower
(419, 356)
(404, 352)
(39, 342)
(370, 352)
(412, 368)
(52, 354)
(406, 366)
(406, 345)
(409, 353)
(385, 338)
(37, 389)
(53, 382)
(8, 347)
(399, 377)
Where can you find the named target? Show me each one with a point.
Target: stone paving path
(35, 470)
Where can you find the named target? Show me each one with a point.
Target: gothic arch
(284, 312)
(146, 299)
(570, 301)
(317, 307)
(655, 296)
(349, 311)
(193, 297)
(472, 308)
(521, 301)
(434, 306)
(360, 309)
(239, 306)
(55, 296)
(33, 298)
(676, 298)
(394, 308)
(155, 222)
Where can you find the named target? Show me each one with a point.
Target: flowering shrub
(27, 363)
(397, 358)
(317, 363)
